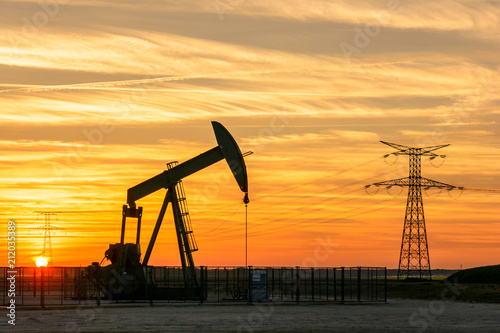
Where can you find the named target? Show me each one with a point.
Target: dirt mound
(484, 274)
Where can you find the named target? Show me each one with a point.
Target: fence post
(202, 285)
(42, 287)
(297, 287)
(342, 285)
(238, 291)
(335, 284)
(227, 281)
(217, 284)
(327, 285)
(250, 282)
(359, 284)
(320, 284)
(280, 281)
(133, 287)
(23, 285)
(369, 293)
(312, 283)
(272, 283)
(98, 286)
(34, 281)
(350, 283)
(62, 284)
(385, 284)
(6, 288)
(150, 284)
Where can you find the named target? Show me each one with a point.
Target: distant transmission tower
(47, 231)
(414, 255)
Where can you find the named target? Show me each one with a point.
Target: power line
(301, 197)
(481, 190)
(220, 225)
(315, 180)
(297, 225)
(291, 212)
(289, 226)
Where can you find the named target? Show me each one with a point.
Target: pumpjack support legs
(185, 248)
(183, 240)
(131, 212)
(156, 229)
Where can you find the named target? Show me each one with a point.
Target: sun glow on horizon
(41, 262)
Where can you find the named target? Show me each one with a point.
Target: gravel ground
(398, 315)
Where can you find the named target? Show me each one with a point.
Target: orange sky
(97, 96)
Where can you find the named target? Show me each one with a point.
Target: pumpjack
(127, 277)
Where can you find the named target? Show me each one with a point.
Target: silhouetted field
(442, 289)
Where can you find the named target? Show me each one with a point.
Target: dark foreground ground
(436, 306)
(398, 315)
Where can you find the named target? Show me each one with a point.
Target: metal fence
(298, 284)
(67, 285)
(57, 286)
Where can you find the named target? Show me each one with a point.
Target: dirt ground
(398, 315)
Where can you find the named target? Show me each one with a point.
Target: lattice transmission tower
(414, 255)
(47, 230)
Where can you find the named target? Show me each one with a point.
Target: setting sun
(41, 262)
